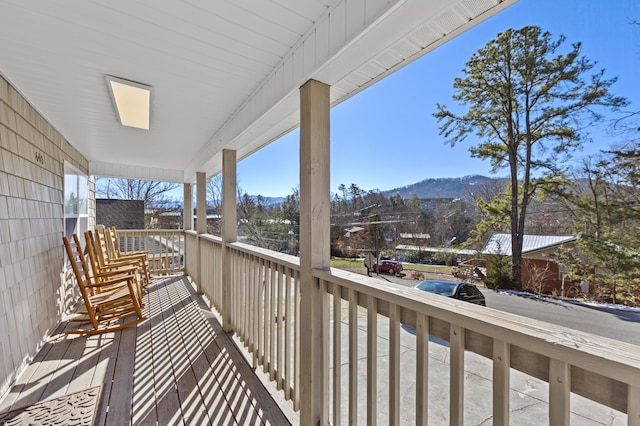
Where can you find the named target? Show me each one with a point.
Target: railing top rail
(611, 358)
(150, 231)
(287, 260)
(211, 237)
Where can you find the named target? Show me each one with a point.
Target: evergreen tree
(527, 104)
(607, 217)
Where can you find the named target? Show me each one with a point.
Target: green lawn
(342, 263)
(436, 269)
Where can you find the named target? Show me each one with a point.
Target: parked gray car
(457, 290)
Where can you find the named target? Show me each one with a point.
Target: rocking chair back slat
(119, 298)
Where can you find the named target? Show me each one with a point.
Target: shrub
(417, 275)
(498, 272)
(441, 258)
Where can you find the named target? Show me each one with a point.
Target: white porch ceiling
(225, 73)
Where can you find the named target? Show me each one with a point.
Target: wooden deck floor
(178, 367)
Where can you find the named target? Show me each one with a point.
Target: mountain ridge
(454, 187)
(460, 187)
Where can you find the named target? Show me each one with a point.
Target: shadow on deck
(176, 367)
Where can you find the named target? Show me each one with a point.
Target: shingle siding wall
(33, 295)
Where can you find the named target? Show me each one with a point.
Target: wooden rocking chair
(113, 242)
(108, 254)
(104, 270)
(105, 307)
(116, 245)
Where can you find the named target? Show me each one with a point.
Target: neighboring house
(351, 243)
(170, 220)
(354, 231)
(123, 214)
(419, 239)
(537, 262)
(411, 247)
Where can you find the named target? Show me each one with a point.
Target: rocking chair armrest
(131, 256)
(132, 259)
(124, 278)
(130, 270)
(116, 263)
(135, 253)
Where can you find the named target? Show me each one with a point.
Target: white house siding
(32, 293)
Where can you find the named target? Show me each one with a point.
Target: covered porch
(228, 79)
(178, 367)
(386, 354)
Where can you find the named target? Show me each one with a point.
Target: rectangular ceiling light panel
(132, 101)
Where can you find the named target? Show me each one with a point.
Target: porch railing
(604, 371)
(265, 297)
(165, 247)
(204, 265)
(379, 342)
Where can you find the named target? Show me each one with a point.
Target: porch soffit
(225, 74)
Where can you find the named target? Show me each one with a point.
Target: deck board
(120, 393)
(164, 388)
(106, 345)
(186, 383)
(33, 388)
(6, 404)
(62, 376)
(87, 365)
(144, 395)
(178, 367)
(200, 367)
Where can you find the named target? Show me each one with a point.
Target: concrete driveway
(529, 396)
(601, 320)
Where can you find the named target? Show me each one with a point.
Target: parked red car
(388, 266)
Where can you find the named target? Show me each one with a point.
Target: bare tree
(537, 277)
(214, 193)
(151, 192)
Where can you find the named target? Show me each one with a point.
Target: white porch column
(314, 243)
(187, 214)
(201, 220)
(187, 220)
(229, 229)
(201, 200)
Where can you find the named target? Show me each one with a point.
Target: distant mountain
(429, 188)
(441, 188)
(269, 201)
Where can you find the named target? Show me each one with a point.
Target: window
(76, 194)
(472, 291)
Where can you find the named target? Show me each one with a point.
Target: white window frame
(76, 202)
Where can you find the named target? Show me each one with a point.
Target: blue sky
(386, 136)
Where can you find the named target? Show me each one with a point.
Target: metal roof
(415, 236)
(225, 74)
(500, 243)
